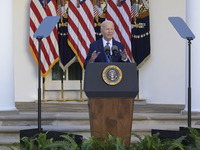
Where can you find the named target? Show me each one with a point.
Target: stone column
(7, 98)
(193, 21)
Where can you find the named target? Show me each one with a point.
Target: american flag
(119, 11)
(39, 9)
(61, 7)
(134, 11)
(80, 27)
(97, 11)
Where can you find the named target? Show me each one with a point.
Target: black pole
(81, 96)
(39, 84)
(43, 88)
(62, 77)
(138, 96)
(189, 82)
(62, 92)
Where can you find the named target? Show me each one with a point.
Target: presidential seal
(112, 75)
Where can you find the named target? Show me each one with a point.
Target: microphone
(107, 50)
(114, 50)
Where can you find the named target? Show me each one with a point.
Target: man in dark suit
(96, 51)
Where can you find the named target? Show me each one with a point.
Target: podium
(111, 89)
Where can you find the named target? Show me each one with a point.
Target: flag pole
(138, 95)
(81, 96)
(43, 89)
(81, 90)
(62, 94)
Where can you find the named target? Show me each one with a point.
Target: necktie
(107, 57)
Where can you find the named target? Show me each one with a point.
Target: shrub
(110, 142)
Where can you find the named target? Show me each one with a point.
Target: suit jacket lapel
(102, 50)
(114, 42)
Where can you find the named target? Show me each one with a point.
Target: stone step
(78, 123)
(10, 134)
(82, 119)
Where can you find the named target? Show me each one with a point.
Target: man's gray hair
(102, 24)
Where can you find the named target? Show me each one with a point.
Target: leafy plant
(38, 142)
(195, 141)
(92, 143)
(110, 142)
(28, 143)
(154, 143)
(103, 143)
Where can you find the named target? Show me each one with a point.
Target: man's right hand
(94, 56)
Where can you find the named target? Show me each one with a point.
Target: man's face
(107, 31)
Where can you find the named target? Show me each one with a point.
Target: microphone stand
(110, 58)
(114, 54)
(107, 52)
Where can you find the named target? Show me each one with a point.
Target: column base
(10, 110)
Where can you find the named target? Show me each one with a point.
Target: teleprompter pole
(43, 31)
(185, 32)
(189, 81)
(39, 83)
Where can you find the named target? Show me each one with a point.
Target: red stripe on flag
(80, 28)
(55, 32)
(122, 40)
(48, 11)
(82, 21)
(36, 54)
(36, 12)
(33, 48)
(46, 55)
(121, 18)
(43, 49)
(123, 23)
(87, 11)
(32, 25)
(79, 35)
(76, 47)
(49, 45)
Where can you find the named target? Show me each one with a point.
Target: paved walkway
(79, 106)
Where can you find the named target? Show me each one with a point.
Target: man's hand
(94, 56)
(123, 54)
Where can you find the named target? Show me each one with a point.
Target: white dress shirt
(110, 44)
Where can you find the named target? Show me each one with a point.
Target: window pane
(57, 72)
(75, 71)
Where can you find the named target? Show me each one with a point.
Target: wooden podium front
(111, 101)
(111, 115)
